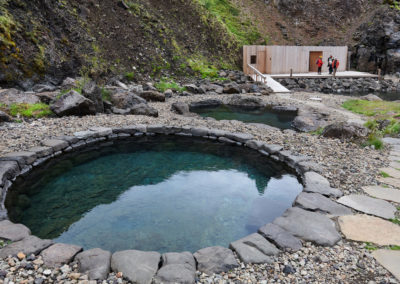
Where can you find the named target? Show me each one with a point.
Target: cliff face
(47, 40)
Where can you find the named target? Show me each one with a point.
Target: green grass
(370, 246)
(30, 110)
(129, 76)
(318, 131)
(394, 247)
(230, 17)
(166, 84)
(381, 109)
(203, 68)
(374, 139)
(383, 174)
(105, 94)
(395, 221)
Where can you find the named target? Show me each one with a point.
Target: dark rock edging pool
(141, 267)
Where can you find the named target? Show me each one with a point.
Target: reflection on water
(279, 119)
(163, 196)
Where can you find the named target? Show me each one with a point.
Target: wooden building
(274, 59)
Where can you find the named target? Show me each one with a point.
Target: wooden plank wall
(248, 51)
(280, 59)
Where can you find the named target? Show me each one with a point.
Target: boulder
(371, 97)
(283, 239)
(5, 117)
(254, 249)
(231, 88)
(215, 260)
(93, 92)
(143, 109)
(177, 268)
(68, 83)
(72, 103)
(180, 108)
(247, 102)
(14, 96)
(8, 170)
(137, 266)
(40, 88)
(59, 254)
(125, 100)
(309, 226)
(152, 96)
(192, 88)
(13, 232)
(23, 158)
(314, 182)
(205, 104)
(318, 202)
(28, 245)
(305, 123)
(346, 131)
(94, 262)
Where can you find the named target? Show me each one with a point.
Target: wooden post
(334, 72)
(291, 72)
(379, 74)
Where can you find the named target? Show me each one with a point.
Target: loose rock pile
(341, 85)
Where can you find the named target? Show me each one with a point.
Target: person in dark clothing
(319, 64)
(330, 61)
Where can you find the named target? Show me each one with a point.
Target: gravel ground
(347, 165)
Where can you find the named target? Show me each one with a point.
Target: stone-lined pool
(266, 115)
(162, 194)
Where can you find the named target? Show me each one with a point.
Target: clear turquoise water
(147, 195)
(279, 119)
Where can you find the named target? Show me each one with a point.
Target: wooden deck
(324, 75)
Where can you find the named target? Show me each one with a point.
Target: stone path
(366, 228)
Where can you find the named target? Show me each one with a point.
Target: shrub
(166, 84)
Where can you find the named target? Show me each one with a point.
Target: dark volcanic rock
(246, 101)
(124, 99)
(91, 91)
(346, 131)
(14, 96)
(152, 96)
(180, 108)
(5, 117)
(143, 109)
(205, 104)
(72, 103)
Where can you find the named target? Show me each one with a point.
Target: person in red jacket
(319, 64)
(335, 65)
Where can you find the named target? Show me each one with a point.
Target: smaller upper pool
(277, 118)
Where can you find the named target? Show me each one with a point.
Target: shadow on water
(276, 118)
(157, 193)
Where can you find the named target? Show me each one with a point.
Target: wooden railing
(254, 72)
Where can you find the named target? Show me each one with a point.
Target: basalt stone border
(288, 232)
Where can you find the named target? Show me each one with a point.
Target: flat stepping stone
(177, 268)
(391, 171)
(369, 205)
(95, 263)
(318, 202)
(314, 182)
(215, 260)
(283, 239)
(254, 249)
(309, 226)
(392, 141)
(137, 266)
(365, 228)
(394, 158)
(389, 194)
(390, 181)
(395, 164)
(13, 232)
(59, 254)
(29, 245)
(390, 259)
